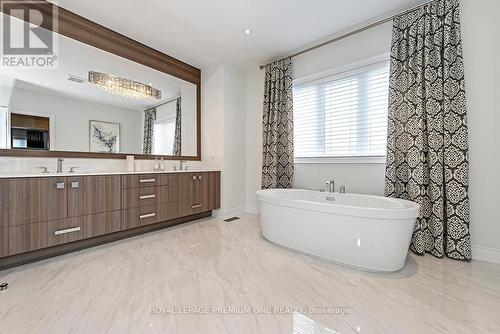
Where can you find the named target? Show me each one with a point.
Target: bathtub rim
(411, 211)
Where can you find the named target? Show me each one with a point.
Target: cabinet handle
(194, 177)
(75, 184)
(147, 215)
(68, 230)
(147, 196)
(147, 180)
(196, 206)
(60, 185)
(199, 177)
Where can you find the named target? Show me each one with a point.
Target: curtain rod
(353, 32)
(163, 103)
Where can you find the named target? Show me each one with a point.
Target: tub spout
(330, 186)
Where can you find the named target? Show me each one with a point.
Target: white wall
(223, 117)
(234, 168)
(481, 46)
(480, 28)
(72, 118)
(212, 115)
(254, 100)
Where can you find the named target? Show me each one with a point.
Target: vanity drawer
(145, 196)
(144, 180)
(146, 215)
(62, 231)
(13, 240)
(3, 241)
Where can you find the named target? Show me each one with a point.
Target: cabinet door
(48, 198)
(89, 195)
(214, 190)
(14, 202)
(180, 194)
(200, 193)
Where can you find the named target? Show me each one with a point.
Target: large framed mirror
(109, 96)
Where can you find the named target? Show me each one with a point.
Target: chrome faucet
(60, 165)
(181, 163)
(330, 186)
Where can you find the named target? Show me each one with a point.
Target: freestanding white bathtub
(367, 232)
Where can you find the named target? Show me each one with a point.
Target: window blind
(343, 115)
(164, 136)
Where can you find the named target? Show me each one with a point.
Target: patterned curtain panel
(178, 129)
(427, 150)
(149, 124)
(277, 126)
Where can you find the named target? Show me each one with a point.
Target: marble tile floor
(212, 276)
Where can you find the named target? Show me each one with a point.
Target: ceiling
(201, 32)
(77, 59)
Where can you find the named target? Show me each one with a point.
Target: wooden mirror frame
(86, 31)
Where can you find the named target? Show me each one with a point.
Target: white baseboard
(252, 209)
(486, 254)
(225, 213)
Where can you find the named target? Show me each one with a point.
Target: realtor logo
(29, 38)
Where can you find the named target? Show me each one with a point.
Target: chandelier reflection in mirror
(124, 87)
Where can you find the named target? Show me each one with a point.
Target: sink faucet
(60, 165)
(330, 186)
(181, 163)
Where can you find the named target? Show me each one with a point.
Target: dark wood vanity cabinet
(151, 199)
(37, 213)
(93, 194)
(14, 205)
(47, 199)
(195, 192)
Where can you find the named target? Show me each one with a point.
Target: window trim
(376, 159)
(338, 73)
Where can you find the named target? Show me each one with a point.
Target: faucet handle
(342, 189)
(72, 169)
(44, 170)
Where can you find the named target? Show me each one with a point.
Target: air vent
(231, 219)
(76, 79)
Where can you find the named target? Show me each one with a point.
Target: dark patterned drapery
(149, 124)
(178, 128)
(427, 148)
(277, 126)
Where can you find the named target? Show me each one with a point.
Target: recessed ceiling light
(248, 31)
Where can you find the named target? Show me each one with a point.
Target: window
(164, 129)
(164, 135)
(344, 115)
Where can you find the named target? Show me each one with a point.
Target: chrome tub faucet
(330, 186)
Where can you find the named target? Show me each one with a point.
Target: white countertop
(67, 174)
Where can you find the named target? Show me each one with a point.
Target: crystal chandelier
(124, 87)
